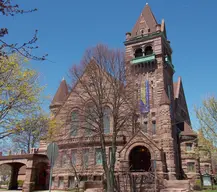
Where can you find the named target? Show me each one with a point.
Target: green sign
(207, 180)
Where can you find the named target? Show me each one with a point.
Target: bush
(197, 184)
(4, 182)
(20, 183)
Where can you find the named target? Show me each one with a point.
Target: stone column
(29, 183)
(13, 185)
(166, 134)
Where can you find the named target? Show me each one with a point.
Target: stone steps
(94, 190)
(174, 190)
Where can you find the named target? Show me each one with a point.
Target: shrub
(20, 183)
(197, 184)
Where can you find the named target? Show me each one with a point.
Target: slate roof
(61, 93)
(188, 131)
(145, 21)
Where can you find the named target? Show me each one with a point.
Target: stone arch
(148, 50)
(14, 173)
(42, 176)
(134, 144)
(138, 52)
(20, 161)
(140, 159)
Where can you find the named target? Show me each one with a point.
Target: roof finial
(146, 3)
(63, 79)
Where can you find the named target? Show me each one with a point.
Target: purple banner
(144, 97)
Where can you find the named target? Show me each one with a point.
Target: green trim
(168, 61)
(143, 59)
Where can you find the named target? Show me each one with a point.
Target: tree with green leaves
(5, 172)
(34, 128)
(20, 93)
(207, 116)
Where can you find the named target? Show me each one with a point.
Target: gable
(182, 113)
(140, 136)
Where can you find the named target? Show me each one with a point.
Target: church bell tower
(149, 60)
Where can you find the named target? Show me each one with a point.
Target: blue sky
(67, 28)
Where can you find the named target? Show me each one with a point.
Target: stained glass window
(71, 182)
(106, 120)
(64, 159)
(145, 127)
(73, 157)
(61, 182)
(191, 167)
(189, 146)
(98, 156)
(75, 123)
(206, 168)
(85, 157)
(110, 155)
(91, 117)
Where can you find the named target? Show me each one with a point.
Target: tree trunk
(110, 181)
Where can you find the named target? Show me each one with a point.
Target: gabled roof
(146, 137)
(61, 93)
(146, 21)
(188, 131)
(94, 65)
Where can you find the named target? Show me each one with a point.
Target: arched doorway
(140, 159)
(42, 176)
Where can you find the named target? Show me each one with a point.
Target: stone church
(163, 152)
(165, 141)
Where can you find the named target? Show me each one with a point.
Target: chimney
(9, 152)
(0, 154)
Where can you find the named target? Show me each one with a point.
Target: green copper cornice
(143, 59)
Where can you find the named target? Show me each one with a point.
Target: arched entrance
(15, 175)
(140, 159)
(42, 176)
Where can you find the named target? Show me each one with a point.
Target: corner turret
(59, 97)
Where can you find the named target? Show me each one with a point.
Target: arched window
(148, 50)
(138, 53)
(106, 119)
(74, 123)
(90, 119)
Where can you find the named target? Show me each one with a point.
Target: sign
(52, 153)
(207, 180)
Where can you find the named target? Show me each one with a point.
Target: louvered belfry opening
(138, 53)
